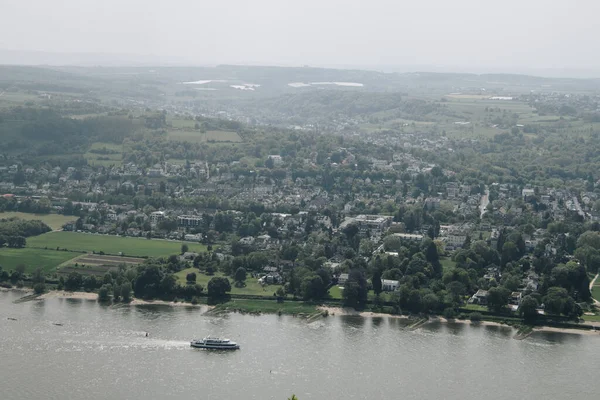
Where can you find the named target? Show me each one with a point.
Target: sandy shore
(351, 311)
(62, 294)
(140, 302)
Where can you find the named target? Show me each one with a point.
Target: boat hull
(212, 347)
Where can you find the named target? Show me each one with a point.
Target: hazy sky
(477, 33)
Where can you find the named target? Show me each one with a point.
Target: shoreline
(63, 294)
(331, 311)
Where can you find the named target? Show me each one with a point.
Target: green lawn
(591, 318)
(195, 136)
(48, 260)
(267, 306)
(252, 286)
(596, 291)
(54, 221)
(335, 292)
(137, 247)
(447, 264)
(475, 307)
(104, 159)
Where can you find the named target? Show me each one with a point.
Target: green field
(267, 306)
(252, 286)
(48, 260)
(110, 244)
(447, 264)
(195, 136)
(335, 292)
(596, 291)
(104, 160)
(54, 221)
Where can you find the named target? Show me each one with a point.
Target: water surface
(101, 352)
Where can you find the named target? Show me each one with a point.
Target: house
(375, 224)
(188, 256)
(388, 285)
(410, 237)
(480, 297)
(272, 278)
(527, 193)
(277, 160)
(515, 298)
(156, 217)
(193, 238)
(189, 220)
(342, 279)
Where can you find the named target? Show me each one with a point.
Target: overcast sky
(469, 33)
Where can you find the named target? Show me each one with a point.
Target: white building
(156, 217)
(189, 220)
(388, 285)
(277, 160)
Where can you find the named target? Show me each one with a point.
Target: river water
(101, 352)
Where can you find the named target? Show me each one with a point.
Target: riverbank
(311, 311)
(520, 333)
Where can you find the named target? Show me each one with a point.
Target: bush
(449, 313)
(476, 317)
(191, 278)
(195, 300)
(20, 284)
(39, 288)
(104, 293)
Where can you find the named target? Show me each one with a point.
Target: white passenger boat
(214, 344)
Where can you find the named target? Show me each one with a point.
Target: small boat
(58, 324)
(213, 343)
(11, 319)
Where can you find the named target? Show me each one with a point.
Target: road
(596, 302)
(485, 200)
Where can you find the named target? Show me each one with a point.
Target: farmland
(47, 260)
(110, 244)
(189, 135)
(104, 154)
(54, 221)
(96, 264)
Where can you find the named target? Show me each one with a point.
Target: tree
(218, 287)
(39, 288)
(116, 292)
(126, 292)
(498, 298)
(312, 287)
(376, 281)
(355, 289)
(240, 277)
(184, 248)
(190, 278)
(90, 283)
(38, 276)
(73, 282)
(103, 293)
(528, 308)
(431, 255)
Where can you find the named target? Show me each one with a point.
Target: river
(101, 352)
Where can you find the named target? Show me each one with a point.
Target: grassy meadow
(47, 260)
(138, 247)
(54, 221)
(252, 286)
